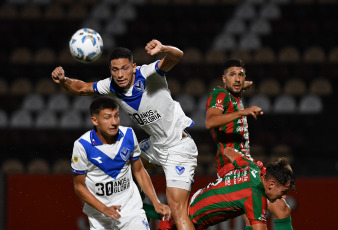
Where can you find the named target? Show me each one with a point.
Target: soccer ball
(86, 45)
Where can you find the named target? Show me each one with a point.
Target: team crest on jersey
(139, 86)
(75, 159)
(145, 145)
(179, 169)
(125, 153)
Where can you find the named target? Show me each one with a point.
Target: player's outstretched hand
(163, 210)
(253, 111)
(112, 212)
(154, 47)
(58, 75)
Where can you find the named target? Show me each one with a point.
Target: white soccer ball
(86, 45)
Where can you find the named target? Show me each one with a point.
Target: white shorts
(178, 162)
(136, 220)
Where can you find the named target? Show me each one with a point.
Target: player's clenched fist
(58, 74)
(154, 47)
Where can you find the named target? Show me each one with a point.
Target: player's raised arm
(73, 86)
(172, 54)
(145, 183)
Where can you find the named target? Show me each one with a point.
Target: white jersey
(149, 103)
(107, 167)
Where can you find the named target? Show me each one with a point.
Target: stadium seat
(38, 166)
(192, 55)
(195, 87)
(202, 102)
(116, 27)
(71, 120)
(54, 12)
(140, 56)
(245, 11)
(281, 150)
(285, 104)
(21, 119)
(264, 55)
(8, 11)
(93, 23)
(46, 120)
(321, 86)
(270, 87)
(260, 26)
(33, 102)
(45, 56)
(295, 87)
(258, 152)
(236, 26)
(242, 54)
(58, 102)
(3, 86)
(270, 11)
(11, 166)
(21, 56)
(289, 55)
(262, 101)
(215, 57)
(333, 55)
(3, 119)
(101, 11)
(82, 103)
(310, 104)
(314, 54)
(225, 42)
(250, 42)
(46, 87)
(65, 57)
(126, 12)
(198, 116)
(62, 166)
(77, 12)
(214, 83)
(20, 87)
(30, 11)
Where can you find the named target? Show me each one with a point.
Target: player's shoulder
(219, 89)
(125, 130)
(85, 136)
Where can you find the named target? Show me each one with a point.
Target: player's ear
(134, 67)
(223, 78)
(94, 120)
(271, 184)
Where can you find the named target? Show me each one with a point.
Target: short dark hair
(282, 172)
(234, 63)
(101, 103)
(121, 52)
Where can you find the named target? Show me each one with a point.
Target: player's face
(107, 123)
(123, 72)
(233, 80)
(276, 191)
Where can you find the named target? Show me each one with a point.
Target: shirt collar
(95, 140)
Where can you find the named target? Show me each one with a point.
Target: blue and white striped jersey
(107, 166)
(149, 103)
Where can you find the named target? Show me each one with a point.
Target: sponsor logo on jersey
(75, 159)
(98, 159)
(139, 86)
(125, 153)
(179, 169)
(145, 118)
(111, 187)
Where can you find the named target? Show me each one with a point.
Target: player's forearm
(219, 120)
(146, 185)
(86, 196)
(76, 87)
(173, 53)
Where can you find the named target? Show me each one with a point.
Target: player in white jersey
(103, 162)
(142, 91)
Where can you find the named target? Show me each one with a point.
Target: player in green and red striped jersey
(244, 189)
(227, 120)
(226, 116)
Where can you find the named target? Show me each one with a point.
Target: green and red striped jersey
(239, 191)
(234, 134)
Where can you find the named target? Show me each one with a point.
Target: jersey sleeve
(79, 159)
(102, 87)
(148, 70)
(137, 151)
(218, 100)
(256, 208)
